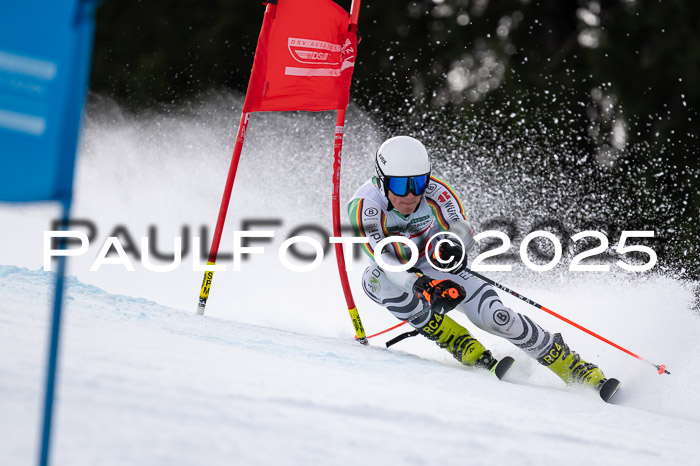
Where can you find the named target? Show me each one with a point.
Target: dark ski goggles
(402, 185)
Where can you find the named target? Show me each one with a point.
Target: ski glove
(441, 295)
(452, 253)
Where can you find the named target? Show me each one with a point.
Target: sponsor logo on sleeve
(371, 212)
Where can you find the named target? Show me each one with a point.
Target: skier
(403, 199)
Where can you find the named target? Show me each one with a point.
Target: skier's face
(405, 204)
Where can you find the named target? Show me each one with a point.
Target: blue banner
(45, 49)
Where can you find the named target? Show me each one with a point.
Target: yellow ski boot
(457, 340)
(569, 366)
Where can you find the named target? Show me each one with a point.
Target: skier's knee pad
(501, 321)
(516, 328)
(402, 304)
(372, 284)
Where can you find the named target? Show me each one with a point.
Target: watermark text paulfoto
(119, 248)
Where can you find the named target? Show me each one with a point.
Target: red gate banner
(304, 59)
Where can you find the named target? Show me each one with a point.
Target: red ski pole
(661, 368)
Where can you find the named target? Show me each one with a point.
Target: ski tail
(608, 388)
(500, 368)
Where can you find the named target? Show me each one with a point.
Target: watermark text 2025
(113, 243)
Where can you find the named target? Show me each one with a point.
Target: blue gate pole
(52, 363)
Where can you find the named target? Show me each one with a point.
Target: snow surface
(271, 374)
(147, 384)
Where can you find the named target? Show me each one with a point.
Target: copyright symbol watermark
(444, 239)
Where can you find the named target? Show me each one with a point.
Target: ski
(502, 366)
(608, 389)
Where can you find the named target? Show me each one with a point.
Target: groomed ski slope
(270, 375)
(146, 384)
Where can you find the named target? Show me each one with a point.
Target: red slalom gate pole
(223, 208)
(661, 368)
(386, 330)
(339, 255)
(337, 152)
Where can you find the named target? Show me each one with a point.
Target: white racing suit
(439, 210)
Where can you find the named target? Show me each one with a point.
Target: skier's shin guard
(451, 336)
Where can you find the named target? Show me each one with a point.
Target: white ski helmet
(402, 157)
